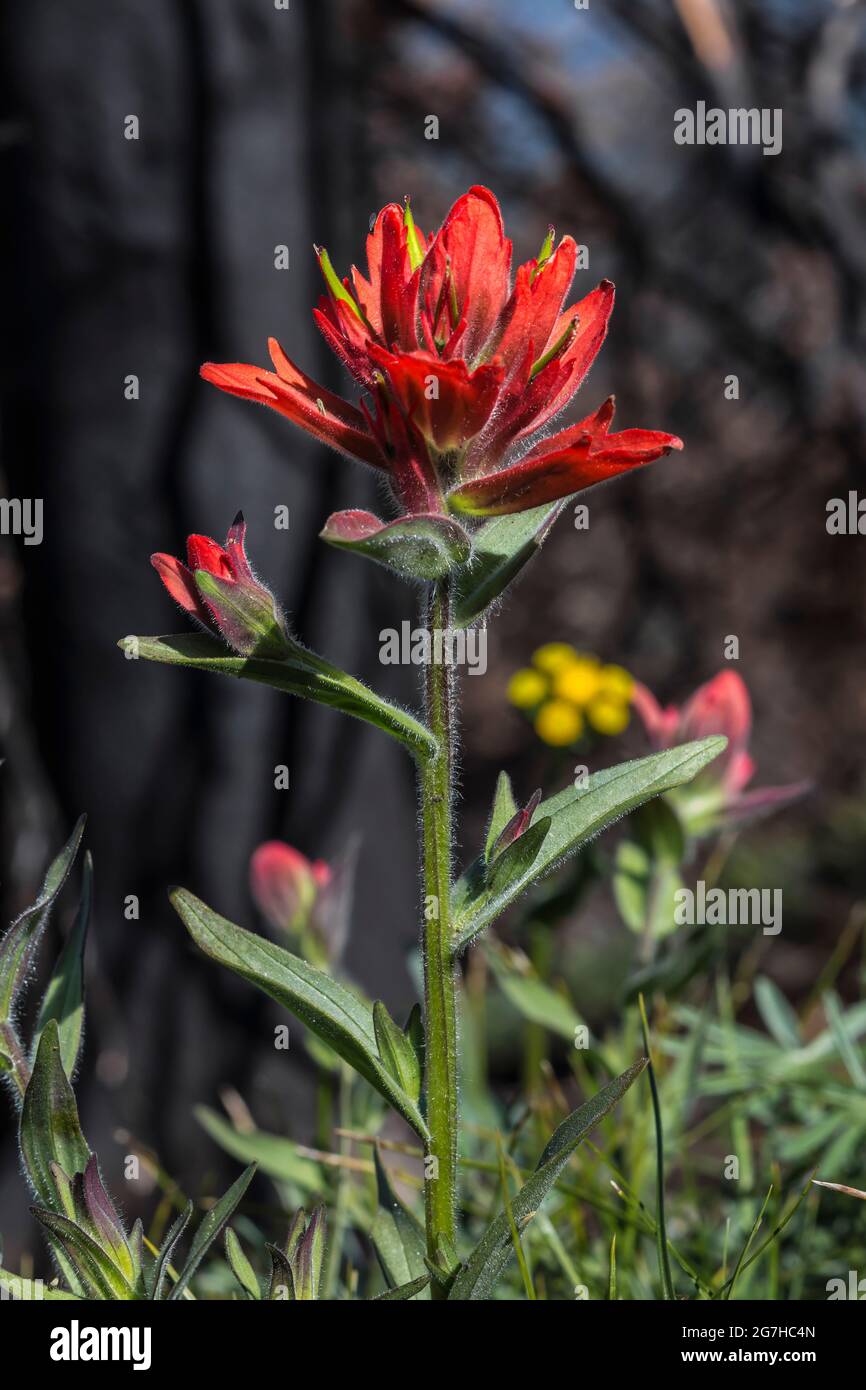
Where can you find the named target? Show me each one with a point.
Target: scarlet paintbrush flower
(717, 797)
(459, 368)
(306, 899)
(219, 590)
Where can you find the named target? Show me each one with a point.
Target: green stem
(440, 1011)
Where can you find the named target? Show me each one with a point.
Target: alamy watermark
(421, 646)
(738, 126)
(729, 907)
(22, 516)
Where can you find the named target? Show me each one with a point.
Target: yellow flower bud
(578, 682)
(527, 688)
(559, 723)
(616, 681)
(607, 714)
(553, 656)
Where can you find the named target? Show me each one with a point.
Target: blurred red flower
(721, 706)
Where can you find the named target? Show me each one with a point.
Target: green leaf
(397, 1052)
(500, 549)
(274, 1155)
(504, 809)
(662, 1252)
(339, 1016)
(647, 876)
(50, 1131)
(397, 1237)
(98, 1271)
(515, 862)
(240, 1265)
(282, 1284)
(531, 997)
(479, 1275)
(159, 1289)
(645, 891)
(415, 547)
(17, 945)
(311, 679)
(779, 1018)
(405, 1291)
(63, 1000)
(847, 1050)
(309, 1257)
(210, 1228)
(575, 817)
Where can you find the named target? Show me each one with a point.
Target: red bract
(459, 368)
(721, 706)
(285, 883)
(307, 899)
(219, 590)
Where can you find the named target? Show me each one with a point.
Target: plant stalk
(440, 1002)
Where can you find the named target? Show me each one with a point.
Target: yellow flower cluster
(565, 690)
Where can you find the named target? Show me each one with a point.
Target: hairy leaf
(17, 945)
(575, 817)
(64, 997)
(159, 1288)
(339, 1016)
(98, 1271)
(210, 1228)
(311, 680)
(397, 1237)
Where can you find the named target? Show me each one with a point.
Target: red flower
(721, 706)
(219, 590)
(306, 899)
(458, 366)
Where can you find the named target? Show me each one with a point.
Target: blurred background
(261, 126)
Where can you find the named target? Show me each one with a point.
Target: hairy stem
(440, 1012)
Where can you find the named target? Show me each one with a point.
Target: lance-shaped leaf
(478, 1277)
(504, 810)
(338, 1015)
(397, 1051)
(240, 1265)
(97, 1214)
(308, 1258)
(310, 679)
(159, 1288)
(210, 1228)
(415, 547)
(512, 864)
(98, 1271)
(18, 944)
(64, 998)
(397, 1237)
(575, 817)
(50, 1132)
(280, 1158)
(500, 549)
